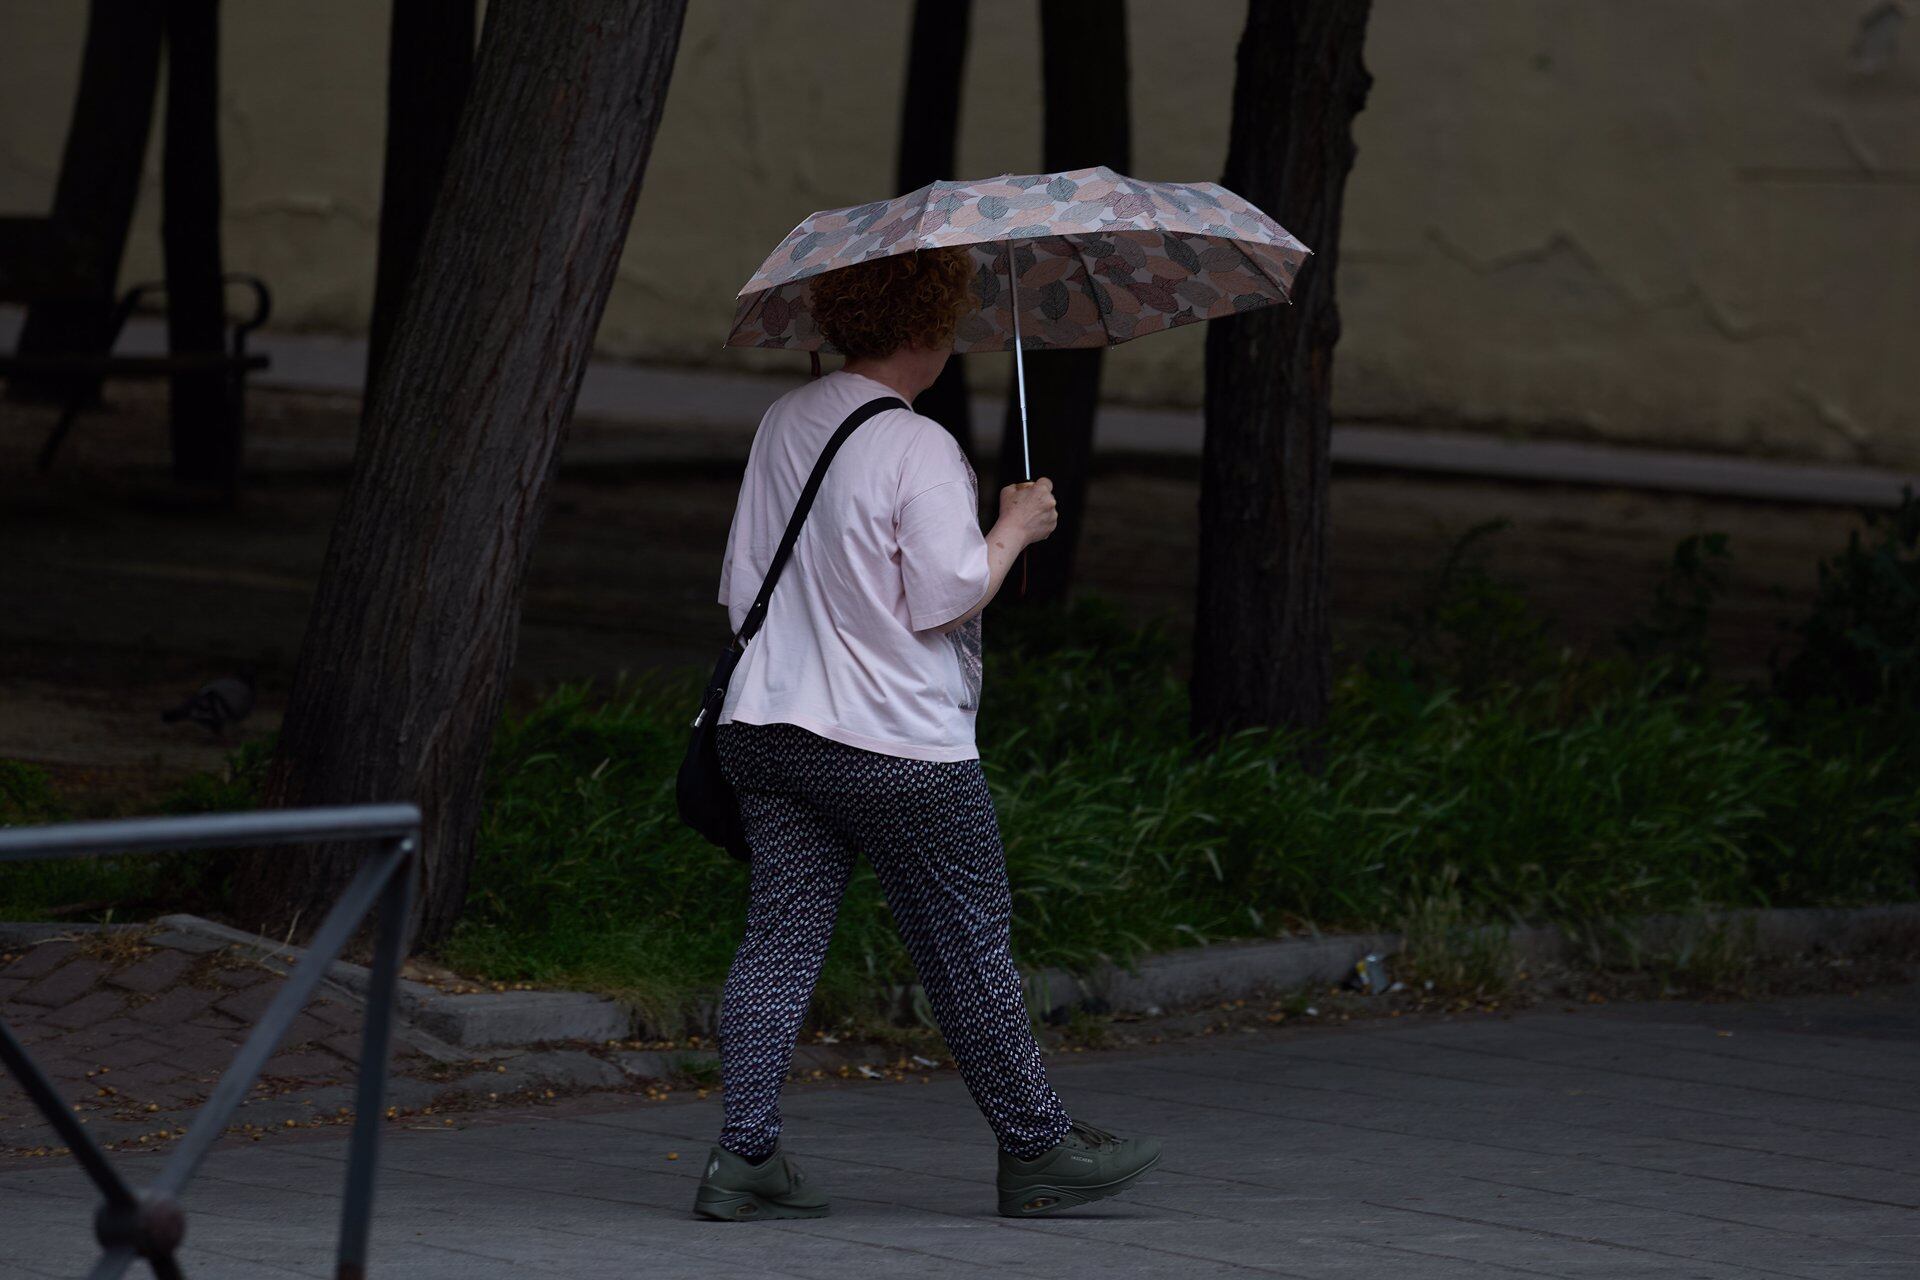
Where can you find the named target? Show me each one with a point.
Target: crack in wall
(1876, 42)
(1563, 244)
(1836, 418)
(1856, 145)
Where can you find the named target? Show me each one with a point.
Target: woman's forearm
(1004, 545)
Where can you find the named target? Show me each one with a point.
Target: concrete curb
(1769, 932)
(30, 933)
(451, 1027)
(1221, 971)
(480, 1020)
(1237, 970)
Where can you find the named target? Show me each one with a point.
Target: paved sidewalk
(715, 410)
(1675, 1140)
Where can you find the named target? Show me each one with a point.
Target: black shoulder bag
(707, 802)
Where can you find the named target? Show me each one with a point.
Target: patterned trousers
(809, 804)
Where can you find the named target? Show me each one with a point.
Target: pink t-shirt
(891, 550)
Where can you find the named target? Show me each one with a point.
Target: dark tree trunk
(205, 423)
(1262, 648)
(929, 135)
(99, 181)
(413, 626)
(1083, 62)
(429, 67)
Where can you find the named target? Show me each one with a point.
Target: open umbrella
(1086, 258)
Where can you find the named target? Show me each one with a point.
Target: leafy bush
(1466, 627)
(1861, 641)
(1675, 628)
(26, 795)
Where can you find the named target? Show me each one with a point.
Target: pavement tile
(307, 1029)
(308, 1066)
(22, 1018)
(185, 1035)
(139, 1075)
(88, 1010)
(181, 1004)
(338, 1016)
(127, 1052)
(201, 1058)
(124, 1026)
(218, 1024)
(347, 1046)
(248, 1003)
(155, 973)
(65, 984)
(87, 1040)
(41, 960)
(240, 979)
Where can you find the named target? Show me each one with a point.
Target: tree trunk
(205, 424)
(429, 68)
(99, 181)
(1262, 648)
(412, 631)
(1083, 61)
(929, 135)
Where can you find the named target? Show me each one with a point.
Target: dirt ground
(118, 601)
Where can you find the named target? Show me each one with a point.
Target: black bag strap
(758, 613)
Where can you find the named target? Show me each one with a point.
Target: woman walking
(848, 729)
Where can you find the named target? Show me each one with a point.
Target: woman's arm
(1028, 514)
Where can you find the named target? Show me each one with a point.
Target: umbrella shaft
(1019, 361)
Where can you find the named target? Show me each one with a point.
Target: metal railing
(150, 1224)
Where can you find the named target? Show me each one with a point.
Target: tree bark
(1083, 62)
(429, 69)
(94, 197)
(929, 136)
(413, 626)
(1262, 649)
(204, 421)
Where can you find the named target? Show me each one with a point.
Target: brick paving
(136, 1035)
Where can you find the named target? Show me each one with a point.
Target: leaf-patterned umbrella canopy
(1101, 258)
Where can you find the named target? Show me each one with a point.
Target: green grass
(115, 888)
(1473, 776)
(1589, 791)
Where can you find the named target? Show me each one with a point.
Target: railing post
(396, 911)
(150, 1224)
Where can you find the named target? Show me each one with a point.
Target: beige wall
(1682, 221)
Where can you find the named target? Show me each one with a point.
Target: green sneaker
(732, 1190)
(1087, 1164)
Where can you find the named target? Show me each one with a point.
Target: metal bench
(37, 265)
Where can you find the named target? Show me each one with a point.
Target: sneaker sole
(1032, 1202)
(747, 1207)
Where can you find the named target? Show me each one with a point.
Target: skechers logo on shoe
(1084, 1159)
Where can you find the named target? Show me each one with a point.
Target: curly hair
(873, 308)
